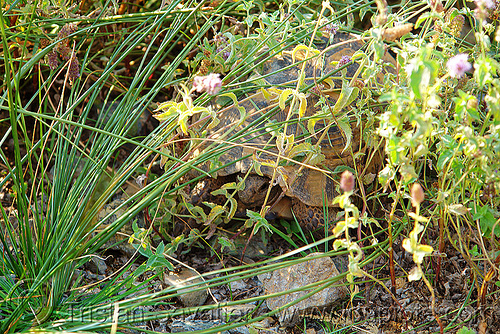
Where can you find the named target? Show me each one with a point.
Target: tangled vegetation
(80, 81)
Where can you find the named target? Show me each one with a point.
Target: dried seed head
(52, 60)
(64, 50)
(347, 181)
(74, 68)
(67, 30)
(204, 66)
(438, 29)
(417, 194)
(391, 34)
(44, 42)
(462, 81)
(456, 25)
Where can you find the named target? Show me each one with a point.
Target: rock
(179, 326)
(184, 278)
(266, 326)
(185, 325)
(238, 285)
(299, 275)
(256, 248)
(97, 265)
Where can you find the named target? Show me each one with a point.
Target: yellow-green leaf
(164, 156)
(215, 213)
(345, 126)
(284, 96)
(243, 113)
(284, 143)
(311, 123)
(309, 51)
(418, 218)
(347, 95)
(303, 104)
(458, 209)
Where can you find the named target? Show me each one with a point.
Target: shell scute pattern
(309, 188)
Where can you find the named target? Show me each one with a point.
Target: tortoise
(299, 187)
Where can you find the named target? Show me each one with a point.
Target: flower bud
(347, 181)
(456, 25)
(472, 103)
(417, 194)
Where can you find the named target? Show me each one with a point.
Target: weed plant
(436, 114)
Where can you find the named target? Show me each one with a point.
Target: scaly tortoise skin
(311, 190)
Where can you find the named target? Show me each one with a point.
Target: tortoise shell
(250, 144)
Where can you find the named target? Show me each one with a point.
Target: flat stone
(299, 275)
(179, 326)
(97, 265)
(182, 279)
(238, 285)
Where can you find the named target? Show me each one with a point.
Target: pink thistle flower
(481, 12)
(344, 60)
(332, 28)
(458, 65)
(210, 83)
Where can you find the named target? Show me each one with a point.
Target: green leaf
(307, 149)
(226, 243)
(466, 330)
(493, 99)
(486, 220)
(408, 173)
(424, 17)
(345, 125)
(347, 95)
(485, 68)
(257, 221)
